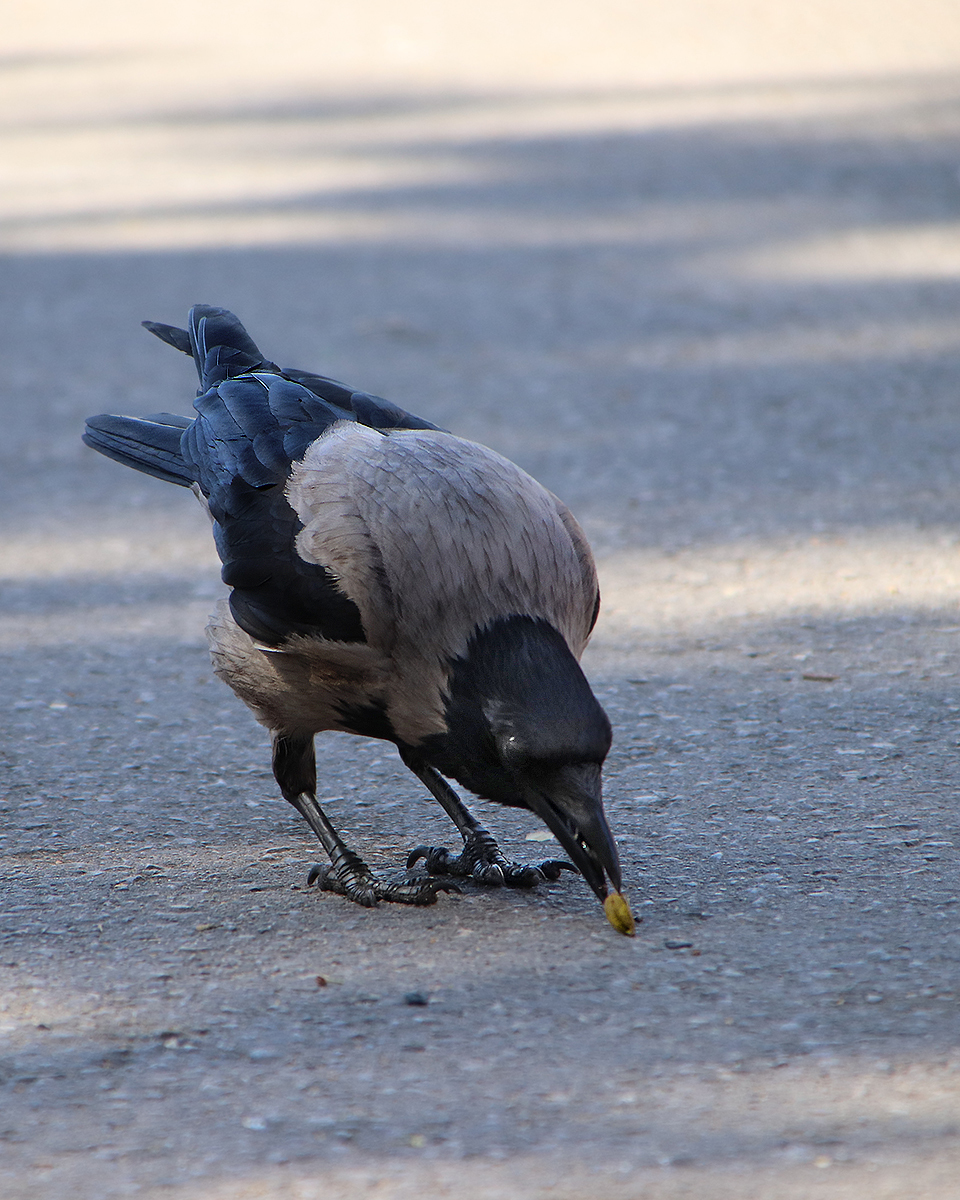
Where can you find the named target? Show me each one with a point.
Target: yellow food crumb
(619, 914)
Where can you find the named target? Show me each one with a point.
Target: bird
(391, 580)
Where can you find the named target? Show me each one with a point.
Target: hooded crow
(391, 580)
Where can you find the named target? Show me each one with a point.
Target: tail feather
(151, 445)
(254, 419)
(179, 339)
(217, 342)
(253, 422)
(165, 418)
(212, 328)
(222, 347)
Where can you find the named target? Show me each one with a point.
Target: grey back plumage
(365, 549)
(433, 538)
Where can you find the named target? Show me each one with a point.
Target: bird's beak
(568, 801)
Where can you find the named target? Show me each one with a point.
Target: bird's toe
(553, 868)
(492, 874)
(521, 875)
(361, 889)
(437, 860)
(365, 889)
(419, 891)
(482, 862)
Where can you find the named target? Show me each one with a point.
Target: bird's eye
(513, 752)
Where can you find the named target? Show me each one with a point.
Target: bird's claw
(367, 890)
(482, 861)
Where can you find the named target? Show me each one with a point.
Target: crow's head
(526, 730)
(551, 750)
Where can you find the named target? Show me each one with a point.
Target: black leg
(481, 858)
(295, 769)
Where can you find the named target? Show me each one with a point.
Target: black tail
(251, 429)
(253, 422)
(219, 344)
(222, 349)
(150, 444)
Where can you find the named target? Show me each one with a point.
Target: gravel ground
(721, 322)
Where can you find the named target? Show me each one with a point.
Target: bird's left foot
(482, 860)
(364, 887)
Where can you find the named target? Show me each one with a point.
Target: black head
(526, 730)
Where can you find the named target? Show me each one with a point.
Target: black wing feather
(330, 390)
(253, 423)
(239, 451)
(384, 414)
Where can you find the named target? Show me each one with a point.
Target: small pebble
(418, 999)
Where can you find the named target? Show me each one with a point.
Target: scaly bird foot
(363, 887)
(482, 860)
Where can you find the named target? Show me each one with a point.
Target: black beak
(568, 801)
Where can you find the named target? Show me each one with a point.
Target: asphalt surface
(722, 325)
